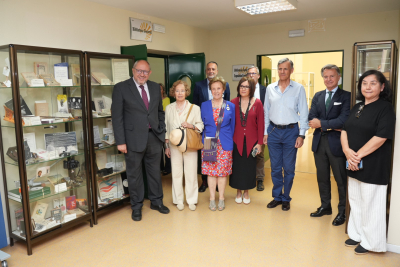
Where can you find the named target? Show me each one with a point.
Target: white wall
(242, 45)
(88, 26)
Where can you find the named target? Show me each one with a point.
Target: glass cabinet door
(52, 172)
(109, 178)
(374, 56)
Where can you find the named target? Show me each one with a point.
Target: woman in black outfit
(367, 140)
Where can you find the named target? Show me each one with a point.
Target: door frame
(166, 78)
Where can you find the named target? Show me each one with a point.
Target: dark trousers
(324, 160)
(282, 154)
(151, 157)
(165, 163)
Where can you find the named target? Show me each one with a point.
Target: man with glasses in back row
(259, 93)
(139, 129)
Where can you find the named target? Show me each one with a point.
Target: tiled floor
(241, 235)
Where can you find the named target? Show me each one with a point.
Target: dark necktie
(328, 101)
(144, 96)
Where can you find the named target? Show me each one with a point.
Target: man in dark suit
(202, 94)
(329, 110)
(259, 93)
(139, 129)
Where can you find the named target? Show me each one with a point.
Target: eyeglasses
(244, 87)
(252, 73)
(360, 109)
(145, 72)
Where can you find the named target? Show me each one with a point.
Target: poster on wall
(141, 30)
(239, 71)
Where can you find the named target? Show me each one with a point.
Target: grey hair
(283, 60)
(212, 62)
(253, 67)
(330, 67)
(136, 62)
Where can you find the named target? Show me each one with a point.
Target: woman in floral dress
(218, 171)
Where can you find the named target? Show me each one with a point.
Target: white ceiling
(222, 14)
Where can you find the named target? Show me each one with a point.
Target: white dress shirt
(327, 93)
(257, 91)
(210, 96)
(140, 89)
(284, 108)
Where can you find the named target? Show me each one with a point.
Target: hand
(339, 130)
(168, 152)
(187, 125)
(265, 139)
(353, 167)
(299, 142)
(122, 148)
(352, 157)
(314, 123)
(258, 147)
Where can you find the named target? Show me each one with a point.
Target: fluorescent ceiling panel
(256, 7)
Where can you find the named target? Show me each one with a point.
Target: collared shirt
(284, 108)
(210, 96)
(257, 91)
(327, 93)
(146, 88)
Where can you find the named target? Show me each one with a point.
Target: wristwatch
(302, 136)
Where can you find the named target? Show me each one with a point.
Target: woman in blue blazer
(218, 171)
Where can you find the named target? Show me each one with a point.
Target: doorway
(307, 71)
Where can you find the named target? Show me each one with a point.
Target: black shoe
(350, 243)
(273, 204)
(165, 173)
(339, 220)
(321, 212)
(359, 250)
(137, 215)
(203, 187)
(285, 205)
(260, 185)
(161, 208)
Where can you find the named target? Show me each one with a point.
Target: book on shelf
(28, 77)
(71, 202)
(49, 79)
(62, 103)
(40, 68)
(14, 194)
(39, 211)
(76, 211)
(76, 73)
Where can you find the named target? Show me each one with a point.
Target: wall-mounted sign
(159, 28)
(239, 71)
(141, 30)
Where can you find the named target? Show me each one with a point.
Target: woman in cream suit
(175, 116)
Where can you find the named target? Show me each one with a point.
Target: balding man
(139, 128)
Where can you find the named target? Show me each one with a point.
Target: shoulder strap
(189, 112)
(220, 118)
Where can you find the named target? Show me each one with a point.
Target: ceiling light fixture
(256, 7)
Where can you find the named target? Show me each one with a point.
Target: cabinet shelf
(80, 152)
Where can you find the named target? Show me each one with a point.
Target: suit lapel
(321, 103)
(135, 92)
(152, 96)
(335, 97)
(205, 91)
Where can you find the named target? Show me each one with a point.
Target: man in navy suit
(259, 93)
(202, 93)
(329, 110)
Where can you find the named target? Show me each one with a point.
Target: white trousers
(184, 162)
(367, 223)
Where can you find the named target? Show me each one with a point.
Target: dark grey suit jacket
(131, 119)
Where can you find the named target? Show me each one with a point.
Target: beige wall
(242, 45)
(88, 26)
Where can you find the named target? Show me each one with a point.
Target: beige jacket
(173, 120)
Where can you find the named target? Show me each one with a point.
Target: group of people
(278, 116)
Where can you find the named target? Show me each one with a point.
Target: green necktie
(328, 101)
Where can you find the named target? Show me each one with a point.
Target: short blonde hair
(217, 79)
(178, 82)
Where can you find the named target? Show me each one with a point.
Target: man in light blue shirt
(285, 106)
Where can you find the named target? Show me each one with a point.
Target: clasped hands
(353, 159)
